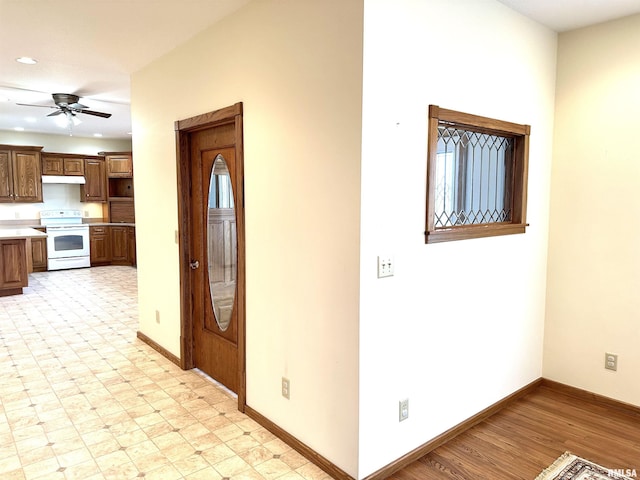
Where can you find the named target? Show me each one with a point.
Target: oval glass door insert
(221, 243)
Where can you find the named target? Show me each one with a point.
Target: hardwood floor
(527, 436)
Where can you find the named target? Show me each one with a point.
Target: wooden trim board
(159, 348)
(592, 397)
(453, 432)
(311, 455)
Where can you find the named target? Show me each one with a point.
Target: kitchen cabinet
(39, 253)
(95, 187)
(132, 246)
(119, 245)
(120, 206)
(99, 245)
(20, 174)
(61, 165)
(119, 165)
(13, 262)
(121, 211)
(112, 245)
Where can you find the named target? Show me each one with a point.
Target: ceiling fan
(67, 103)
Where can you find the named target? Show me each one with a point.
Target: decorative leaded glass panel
(472, 183)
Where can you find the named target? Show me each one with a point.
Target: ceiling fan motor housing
(66, 99)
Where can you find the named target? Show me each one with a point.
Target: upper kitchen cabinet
(120, 205)
(55, 164)
(95, 186)
(20, 174)
(119, 164)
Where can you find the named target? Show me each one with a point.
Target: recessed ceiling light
(97, 134)
(19, 129)
(27, 60)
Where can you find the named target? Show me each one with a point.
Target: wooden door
(99, 245)
(52, 165)
(6, 177)
(215, 245)
(95, 187)
(119, 247)
(27, 177)
(39, 254)
(73, 166)
(13, 263)
(119, 166)
(211, 240)
(131, 233)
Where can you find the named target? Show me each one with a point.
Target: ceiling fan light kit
(68, 120)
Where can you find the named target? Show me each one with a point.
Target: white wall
(460, 325)
(297, 67)
(594, 260)
(58, 196)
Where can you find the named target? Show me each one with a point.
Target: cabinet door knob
(194, 264)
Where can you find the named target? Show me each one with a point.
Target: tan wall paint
(297, 66)
(593, 302)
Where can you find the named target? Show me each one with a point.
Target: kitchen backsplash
(55, 196)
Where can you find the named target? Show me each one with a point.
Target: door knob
(194, 264)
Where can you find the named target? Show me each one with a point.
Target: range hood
(68, 179)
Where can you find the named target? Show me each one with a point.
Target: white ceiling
(564, 15)
(90, 48)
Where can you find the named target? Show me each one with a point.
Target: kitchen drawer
(98, 230)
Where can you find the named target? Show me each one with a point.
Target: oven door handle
(66, 229)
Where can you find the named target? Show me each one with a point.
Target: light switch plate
(386, 266)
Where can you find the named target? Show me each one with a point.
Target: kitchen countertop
(92, 222)
(112, 224)
(10, 233)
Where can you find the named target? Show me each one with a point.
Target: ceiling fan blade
(55, 113)
(94, 113)
(31, 105)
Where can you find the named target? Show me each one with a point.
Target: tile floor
(82, 398)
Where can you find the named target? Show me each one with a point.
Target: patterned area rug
(570, 467)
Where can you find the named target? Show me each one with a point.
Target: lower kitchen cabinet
(39, 254)
(132, 246)
(13, 259)
(112, 245)
(100, 245)
(119, 245)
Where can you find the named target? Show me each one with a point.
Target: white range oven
(67, 239)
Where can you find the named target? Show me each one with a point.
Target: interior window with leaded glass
(477, 171)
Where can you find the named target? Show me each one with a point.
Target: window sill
(474, 231)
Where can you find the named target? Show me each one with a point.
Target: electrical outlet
(611, 361)
(386, 266)
(286, 388)
(403, 409)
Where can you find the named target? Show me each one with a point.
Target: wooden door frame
(184, 129)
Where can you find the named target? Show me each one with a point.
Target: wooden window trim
(520, 134)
